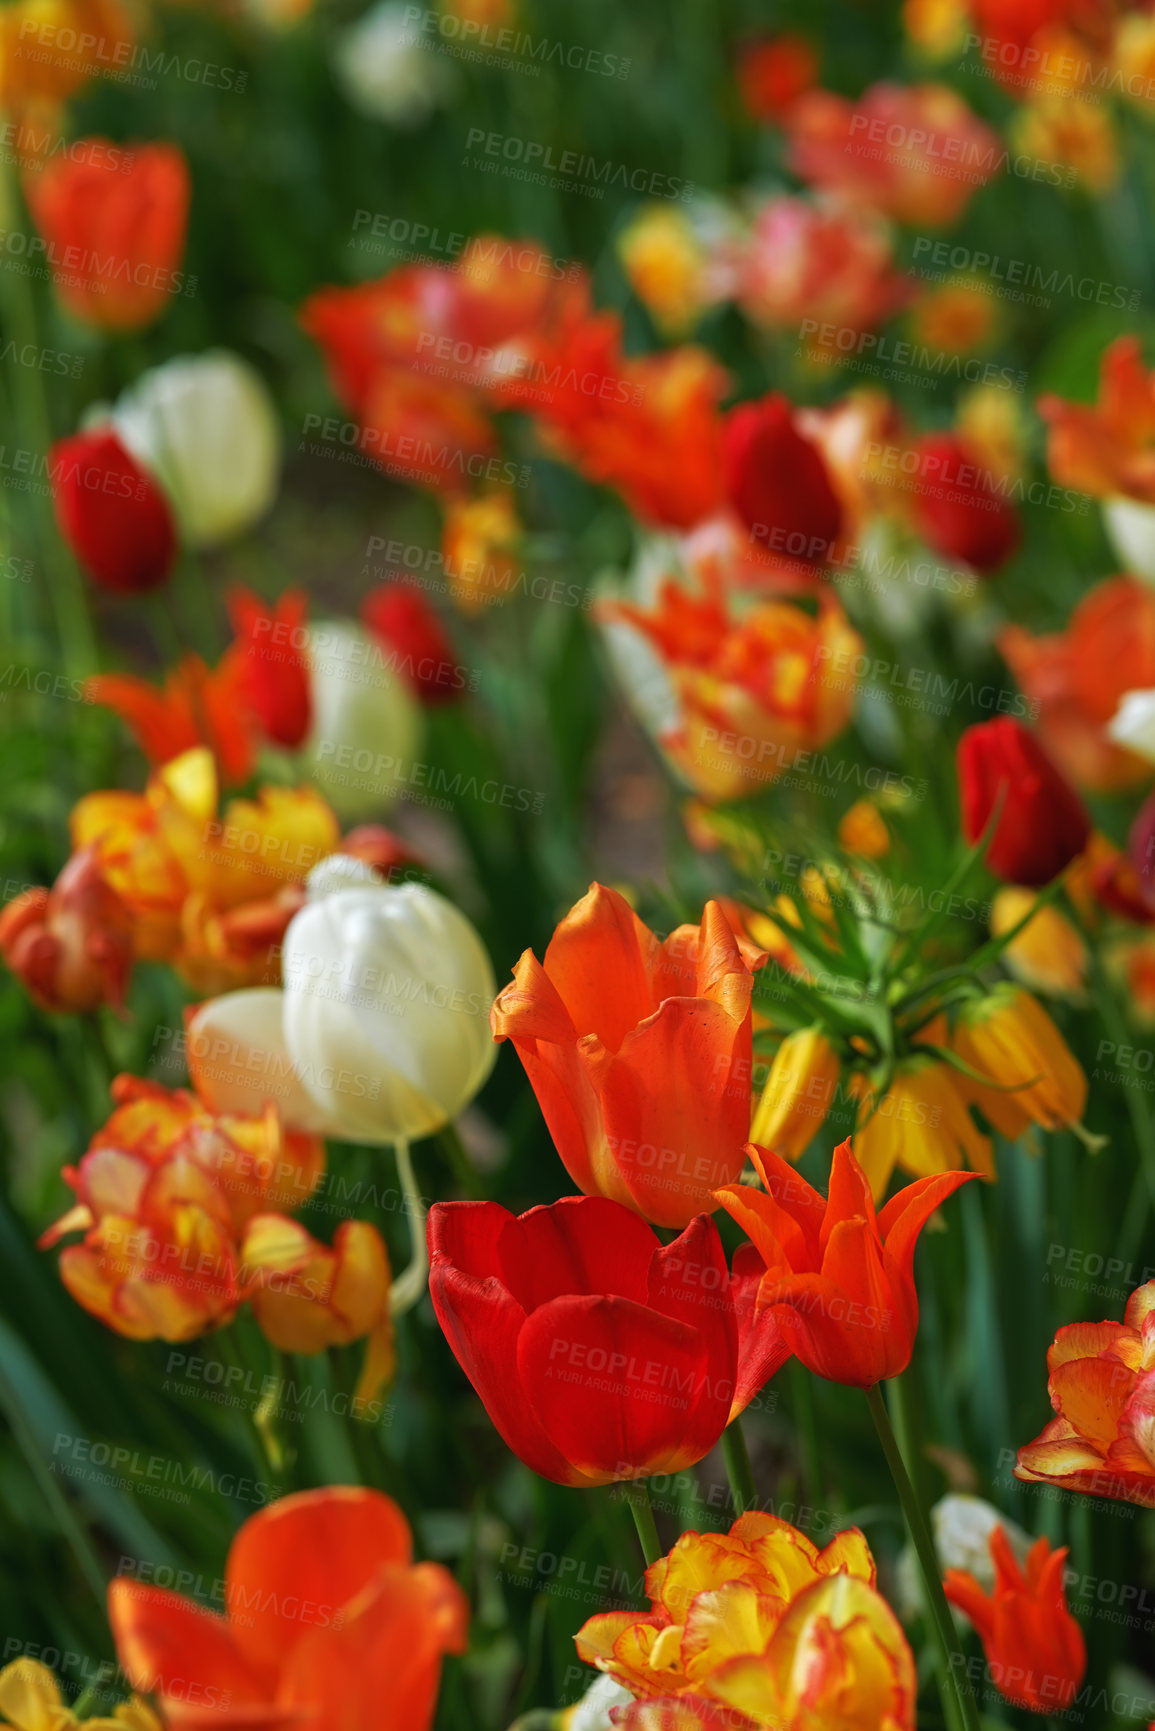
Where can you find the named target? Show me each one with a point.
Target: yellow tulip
(797, 1094)
(921, 1124)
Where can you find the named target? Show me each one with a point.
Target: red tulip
(1034, 1647)
(273, 649)
(599, 1353)
(773, 72)
(116, 239)
(329, 1623)
(400, 617)
(838, 1279)
(778, 481)
(958, 509)
(1042, 824)
(111, 512)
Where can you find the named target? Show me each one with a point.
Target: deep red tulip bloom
(111, 512)
(778, 482)
(402, 620)
(1034, 1647)
(598, 1352)
(838, 1278)
(273, 650)
(1042, 825)
(958, 509)
(116, 238)
(328, 1623)
(773, 72)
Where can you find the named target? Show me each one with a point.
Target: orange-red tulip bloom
(1102, 1386)
(839, 1280)
(329, 1623)
(639, 1053)
(1034, 1647)
(71, 945)
(1107, 448)
(115, 240)
(1076, 678)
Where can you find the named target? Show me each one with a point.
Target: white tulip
(1130, 527)
(381, 1032)
(207, 428)
(1133, 723)
(387, 71)
(592, 1712)
(962, 1526)
(367, 724)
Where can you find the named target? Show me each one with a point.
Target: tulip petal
(1091, 1394)
(330, 1544)
(238, 1059)
(762, 1347)
(581, 1245)
(600, 959)
(689, 1281)
(166, 1644)
(614, 1385)
(900, 1223)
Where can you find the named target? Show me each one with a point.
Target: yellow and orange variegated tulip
(70, 945)
(308, 1297)
(759, 1626)
(176, 1204)
(755, 695)
(210, 891)
(1102, 1387)
(920, 1123)
(31, 1700)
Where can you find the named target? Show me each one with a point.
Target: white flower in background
(207, 428)
(961, 1526)
(1133, 723)
(367, 725)
(1130, 527)
(592, 1712)
(387, 71)
(381, 1030)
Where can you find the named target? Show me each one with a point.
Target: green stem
(738, 1469)
(408, 1287)
(802, 1388)
(1143, 1194)
(640, 1508)
(958, 1701)
(58, 1504)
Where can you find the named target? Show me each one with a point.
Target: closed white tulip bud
(1130, 526)
(386, 1014)
(387, 71)
(381, 1032)
(367, 725)
(207, 428)
(962, 1526)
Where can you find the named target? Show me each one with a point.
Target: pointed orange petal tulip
(839, 1280)
(1034, 1647)
(195, 706)
(328, 1622)
(639, 1053)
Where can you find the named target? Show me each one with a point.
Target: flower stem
(958, 1701)
(408, 1287)
(642, 1511)
(738, 1470)
(802, 1389)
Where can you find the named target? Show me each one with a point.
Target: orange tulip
(1034, 1647)
(840, 1279)
(36, 73)
(196, 705)
(755, 695)
(1076, 678)
(639, 1053)
(1107, 448)
(71, 945)
(328, 1622)
(758, 1627)
(115, 240)
(1102, 1386)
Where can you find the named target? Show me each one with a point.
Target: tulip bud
(778, 480)
(111, 512)
(366, 724)
(207, 428)
(385, 69)
(382, 1030)
(960, 513)
(72, 945)
(403, 621)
